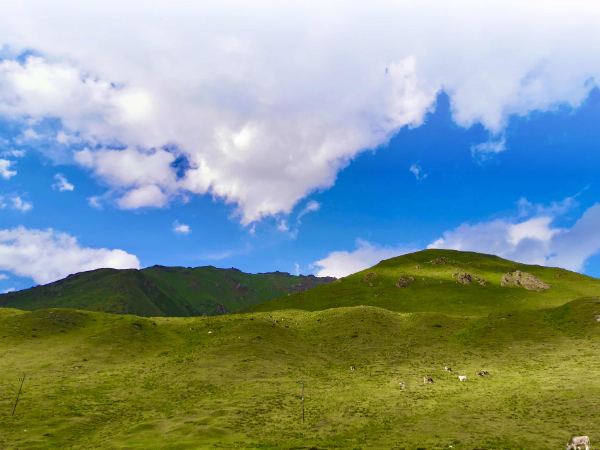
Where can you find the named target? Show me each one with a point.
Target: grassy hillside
(161, 291)
(103, 381)
(435, 289)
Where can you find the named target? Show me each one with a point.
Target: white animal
(462, 378)
(576, 441)
(448, 369)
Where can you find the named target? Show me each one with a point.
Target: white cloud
(61, 183)
(417, 172)
(310, 206)
(48, 255)
(3, 276)
(341, 263)
(4, 169)
(533, 240)
(19, 204)
(485, 150)
(179, 228)
(297, 266)
(12, 289)
(282, 226)
(269, 107)
(13, 153)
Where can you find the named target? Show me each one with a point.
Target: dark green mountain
(161, 291)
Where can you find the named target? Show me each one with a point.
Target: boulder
(523, 279)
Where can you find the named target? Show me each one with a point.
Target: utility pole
(302, 401)
(19, 394)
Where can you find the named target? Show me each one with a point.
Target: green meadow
(108, 381)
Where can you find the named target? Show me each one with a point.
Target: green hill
(161, 291)
(105, 381)
(96, 380)
(431, 286)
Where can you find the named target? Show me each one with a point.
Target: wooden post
(302, 401)
(19, 394)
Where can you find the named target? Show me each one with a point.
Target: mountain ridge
(161, 291)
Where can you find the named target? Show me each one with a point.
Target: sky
(306, 137)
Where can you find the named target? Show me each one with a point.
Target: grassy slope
(114, 382)
(158, 291)
(440, 292)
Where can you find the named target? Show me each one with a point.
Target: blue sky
(261, 156)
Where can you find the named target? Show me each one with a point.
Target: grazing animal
(479, 374)
(448, 369)
(210, 332)
(462, 378)
(427, 380)
(483, 373)
(352, 367)
(402, 385)
(576, 441)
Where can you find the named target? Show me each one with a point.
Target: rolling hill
(95, 380)
(443, 281)
(161, 291)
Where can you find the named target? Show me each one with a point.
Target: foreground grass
(114, 382)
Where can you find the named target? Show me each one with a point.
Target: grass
(105, 381)
(435, 290)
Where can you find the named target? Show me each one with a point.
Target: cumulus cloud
(282, 226)
(4, 169)
(48, 255)
(61, 183)
(3, 276)
(180, 228)
(267, 108)
(417, 171)
(341, 263)
(12, 289)
(310, 206)
(533, 240)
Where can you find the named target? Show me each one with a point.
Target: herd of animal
(483, 373)
(573, 444)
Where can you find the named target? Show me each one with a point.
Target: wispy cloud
(20, 205)
(224, 254)
(486, 150)
(297, 266)
(310, 206)
(12, 289)
(180, 228)
(5, 171)
(417, 171)
(61, 183)
(13, 153)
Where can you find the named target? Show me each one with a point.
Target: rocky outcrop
(523, 279)
(404, 282)
(369, 277)
(464, 278)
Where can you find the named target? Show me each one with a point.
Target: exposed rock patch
(369, 277)
(524, 279)
(404, 282)
(464, 278)
(439, 260)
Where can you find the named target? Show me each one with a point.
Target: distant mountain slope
(432, 281)
(161, 291)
